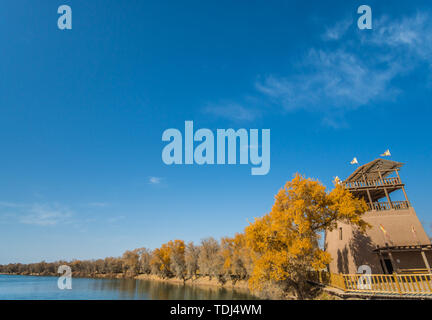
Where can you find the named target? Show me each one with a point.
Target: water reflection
(34, 287)
(158, 290)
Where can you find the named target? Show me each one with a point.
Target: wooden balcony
(393, 181)
(413, 285)
(394, 205)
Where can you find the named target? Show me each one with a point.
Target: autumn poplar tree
(144, 260)
(236, 256)
(191, 259)
(160, 261)
(177, 259)
(131, 262)
(210, 260)
(285, 242)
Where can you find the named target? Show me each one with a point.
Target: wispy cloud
(331, 80)
(44, 215)
(155, 180)
(36, 214)
(11, 204)
(115, 219)
(410, 36)
(98, 204)
(340, 74)
(338, 30)
(345, 75)
(232, 111)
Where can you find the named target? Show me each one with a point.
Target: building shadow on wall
(342, 260)
(361, 249)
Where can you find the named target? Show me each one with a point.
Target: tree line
(223, 260)
(278, 250)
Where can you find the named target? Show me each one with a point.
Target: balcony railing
(395, 205)
(409, 285)
(373, 183)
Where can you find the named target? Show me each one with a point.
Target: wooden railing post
(380, 283)
(395, 276)
(343, 284)
(426, 262)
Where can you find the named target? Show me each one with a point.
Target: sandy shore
(201, 281)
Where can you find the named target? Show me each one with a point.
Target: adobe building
(396, 241)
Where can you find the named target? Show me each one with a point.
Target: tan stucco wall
(356, 249)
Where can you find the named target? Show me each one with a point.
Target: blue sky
(82, 113)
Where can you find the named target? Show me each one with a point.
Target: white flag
(386, 154)
(354, 161)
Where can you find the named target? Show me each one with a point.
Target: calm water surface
(34, 287)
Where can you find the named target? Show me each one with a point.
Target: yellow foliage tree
(160, 261)
(163, 258)
(236, 256)
(285, 242)
(177, 257)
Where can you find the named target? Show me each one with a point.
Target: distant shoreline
(240, 285)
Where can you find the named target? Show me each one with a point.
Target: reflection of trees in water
(126, 288)
(157, 290)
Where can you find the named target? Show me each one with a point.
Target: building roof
(372, 169)
(396, 228)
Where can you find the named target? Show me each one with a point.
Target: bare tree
(210, 260)
(177, 259)
(144, 260)
(191, 259)
(130, 259)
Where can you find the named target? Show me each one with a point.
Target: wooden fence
(401, 284)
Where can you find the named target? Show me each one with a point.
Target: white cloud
(36, 214)
(331, 80)
(406, 31)
(155, 180)
(338, 30)
(411, 36)
(44, 215)
(10, 204)
(350, 74)
(98, 204)
(115, 219)
(232, 111)
(344, 74)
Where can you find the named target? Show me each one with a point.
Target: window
(388, 265)
(340, 233)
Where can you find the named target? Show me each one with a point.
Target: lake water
(34, 287)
